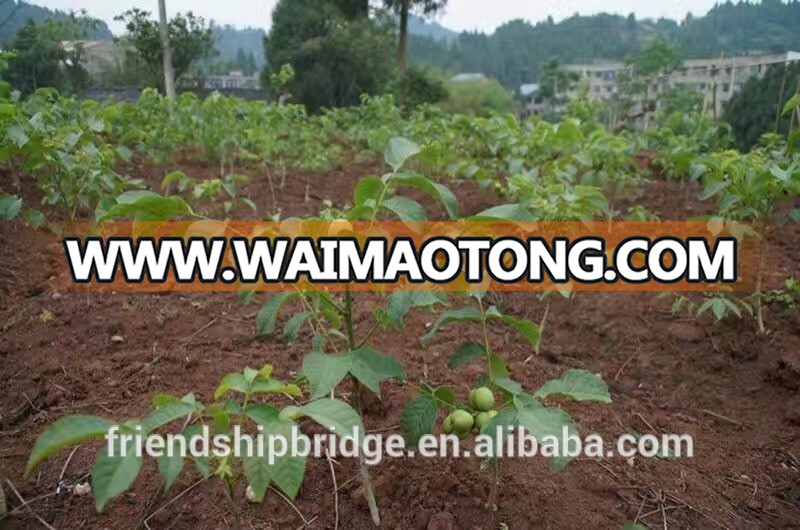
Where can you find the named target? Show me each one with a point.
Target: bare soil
(737, 393)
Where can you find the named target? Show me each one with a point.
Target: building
(233, 80)
(99, 56)
(467, 77)
(718, 79)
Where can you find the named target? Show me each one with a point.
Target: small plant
(517, 408)
(721, 305)
(748, 187)
(210, 189)
(338, 354)
(239, 404)
(788, 297)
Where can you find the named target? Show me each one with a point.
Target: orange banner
(386, 256)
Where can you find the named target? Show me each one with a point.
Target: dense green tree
(191, 40)
(651, 66)
(36, 61)
(42, 60)
(756, 109)
(479, 97)
(16, 14)
(417, 86)
(336, 58)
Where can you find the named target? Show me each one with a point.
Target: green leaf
(10, 205)
(170, 467)
(123, 152)
(262, 414)
(505, 212)
(468, 352)
(468, 314)
(445, 394)
(368, 192)
(258, 472)
(147, 207)
(791, 104)
(713, 189)
(504, 419)
(113, 475)
(337, 414)
(286, 471)
(371, 367)
(507, 384)
(543, 421)
(232, 382)
(293, 326)
(268, 314)
(275, 387)
(66, 432)
(17, 135)
(633, 526)
(166, 414)
(245, 297)
(580, 385)
(399, 303)
(96, 124)
(497, 367)
(325, 371)
(398, 151)
(203, 465)
(418, 418)
(438, 191)
(173, 177)
(526, 328)
(34, 218)
(406, 209)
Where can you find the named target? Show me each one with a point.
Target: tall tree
(36, 60)
(652, 65)
(51, 54)
(336, 59)
(402, 8)
(166, 50)
(353, 9)
(190, 38)
(756, 109)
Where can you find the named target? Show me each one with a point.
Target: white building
(717, 78)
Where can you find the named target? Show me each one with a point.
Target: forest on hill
(515, 51)
(15, 14)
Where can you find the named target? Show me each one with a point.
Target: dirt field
(737, 393)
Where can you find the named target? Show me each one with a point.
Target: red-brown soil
(736, 392)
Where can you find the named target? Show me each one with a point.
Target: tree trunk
(169, 73)
(402, 47)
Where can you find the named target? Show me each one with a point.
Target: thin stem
(486, 340)
(491, 504)
(234, 509)
(759, 280)
(368, 335)
(369, 492)
(542, 323)
(348, 318)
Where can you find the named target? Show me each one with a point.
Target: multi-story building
(718, 79)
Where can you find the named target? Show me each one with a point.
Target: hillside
(424, 28)
(515, 50)
(250, 41)
(14, 15)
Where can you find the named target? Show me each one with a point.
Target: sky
(484, 15)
